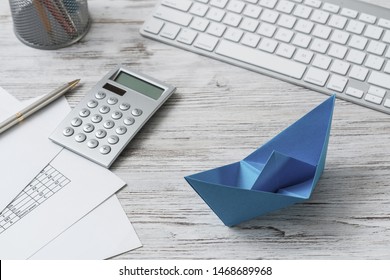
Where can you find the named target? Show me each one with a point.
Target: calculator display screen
(139, 85)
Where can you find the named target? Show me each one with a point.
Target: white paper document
(62, 212)
(19, 146)
(103, 233)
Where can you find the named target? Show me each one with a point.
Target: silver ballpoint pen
(37, 105)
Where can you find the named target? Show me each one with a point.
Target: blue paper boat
(282, 172)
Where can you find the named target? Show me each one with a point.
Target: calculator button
(129, 121)
(88, 128)
(121, 130)
(113, 139)
(112, 100)
(96, 118)
(92, 103)
(109, 124)
(84, 113)
(80, 137)
(104, 109)
(100, 95)
(76, 122)
(92, 143)
(100, 133)
(68, 131)
(105, 149)
(124, 106)
(116, 115)
(136, 112)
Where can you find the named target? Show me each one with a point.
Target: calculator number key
(84, 113)
(96, 118)
(68, 131)
(104, 109)
(108, 124)
(88, 128)
(116, 115)
(76, 122)
(100, 133)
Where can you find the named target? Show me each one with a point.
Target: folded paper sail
(282, 172)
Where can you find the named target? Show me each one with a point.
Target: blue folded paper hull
(280, 173)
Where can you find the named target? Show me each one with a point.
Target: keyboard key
(313, 3)
(379, 79)
(386, 37)
(373, 99)
(261, 59)
(373, 32)
(374, 62)
(284, 35)
(387, 67)
(286, 21)
(377, 48)
(340, 67)
(358, 42)
(384, 23)
(303, 56)
(301, 40)
(285, 6)
(356, 57)
(358, 73)
(206, 42)
(377, 91)
(354, 92)
(337, 21)
(355, 26)
(250, 40)
(235, 6)
(340, 37)
(321, 31)
(187, 36)
(199, 9)
(302, 11)
(319, 45)
(269, 16)
(320, 16)
(233, 34)
(266, 29)
(285, 50)
(215, 14)
(218, 3)
(252, 11)
(172, 15)
(331, 8)
(337, 83)
(387, 103)
(268, 3)
(268, 45)
(249, 24)
(199, 24)
(349, 13)
(170, 31)
(182, 5)
(337, 51)
(322, 61)
(316, 76)
(304, 26)
(216, 29)
(153, 26)
(367, 18)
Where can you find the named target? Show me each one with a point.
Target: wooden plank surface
(219, 114)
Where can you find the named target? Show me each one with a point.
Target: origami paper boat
(280, 173)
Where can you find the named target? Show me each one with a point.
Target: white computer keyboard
(334, 47)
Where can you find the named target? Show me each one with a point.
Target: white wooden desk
(219, 114)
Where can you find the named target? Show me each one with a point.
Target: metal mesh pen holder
(50, 24)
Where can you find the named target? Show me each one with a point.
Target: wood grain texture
(219, 114)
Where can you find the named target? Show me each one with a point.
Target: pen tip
(74, 83)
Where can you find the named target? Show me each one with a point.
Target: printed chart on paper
(48, 182)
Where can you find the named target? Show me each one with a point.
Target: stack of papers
(55, 204)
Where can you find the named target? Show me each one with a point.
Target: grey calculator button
(96, 118)
(136, 112)
(100, 95)
(100, 133)
(84, 113)
(109, 124)
(113, 139)
(92, 103)
(68, 131)
(129, 121)
(105, 149)
(112, 100)
(80, 137)
(124, 106)
(76, 122)
(116, 115)
(121, 130)
(88, 128)
(104, 109)
(92, 143)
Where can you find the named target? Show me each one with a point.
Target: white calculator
(111, 114)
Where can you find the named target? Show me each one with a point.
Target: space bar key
(261, 59)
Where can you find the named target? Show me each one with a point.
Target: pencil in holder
(50, 24)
